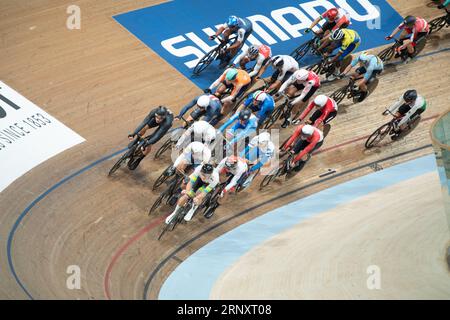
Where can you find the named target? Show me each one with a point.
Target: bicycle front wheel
(378, 135)
(206, 61)
(301, 51)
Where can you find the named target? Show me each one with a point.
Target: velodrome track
(101, 82)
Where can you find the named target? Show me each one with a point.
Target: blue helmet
(232, 21)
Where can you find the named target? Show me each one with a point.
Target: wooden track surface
(101, 82)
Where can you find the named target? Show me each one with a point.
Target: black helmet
(410, 95)
(245, 114)
(207, 168)
(409, 20)
(161, 111)
(278, 61)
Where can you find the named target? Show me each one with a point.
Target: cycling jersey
(244, 29)
(212, 181)
(201, 131)
(194, 158)
(263, 110)
(350, 37)
(316, 138)
(420, 26)
(240, 131)
(242, 79)
(329, 107)
(237, 172)
(374, 63)
(211, 112)
(290, 65)
(264, 54)
(311, 84)
(420, 103)
(252, 153)
(150, 121)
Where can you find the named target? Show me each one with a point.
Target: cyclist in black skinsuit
(160, 117)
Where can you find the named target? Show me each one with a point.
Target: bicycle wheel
(118, 164)
(274, 116)
(317, 67)
(161, 179)
(378, 135)
(166, 146)
(269, 178)
(301, 51)
(437, 24)
(387, 54)
(206, 61)
(339, 94)
(157, 203)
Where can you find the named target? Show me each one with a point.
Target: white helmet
(321, 100)
(364, 56)
(259, 96)
(307, 131)
(263, 140)
(301, 75)
(337, 34)
(197, 147)
(203, 101)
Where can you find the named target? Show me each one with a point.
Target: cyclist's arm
(308, 86)
(396, 105)
(144, 123)
(308, 148)
(325, 112)
(162, 130)
(187, 107)
(263, 159)
(370, 68)
(239, 58)
(294, 137)
(220, 30)
(236, 178)
(183, 137)
(316, 21)
(218, 81)
(245, 153)
(396, 30)
(307, 111)
(257, 67)
(286, 84)
(241, 133)
(228, 122)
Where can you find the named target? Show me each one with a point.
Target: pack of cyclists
(197, 157)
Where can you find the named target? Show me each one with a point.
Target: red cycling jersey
(316, 137)
(329, 107)
(314, 79)
(421, 25)
(341, 18)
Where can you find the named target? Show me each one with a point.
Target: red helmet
(333, 13)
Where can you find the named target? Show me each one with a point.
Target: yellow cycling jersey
(350, 36)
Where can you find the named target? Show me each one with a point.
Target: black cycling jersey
(150, 121)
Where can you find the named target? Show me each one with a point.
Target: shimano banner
(178, 30)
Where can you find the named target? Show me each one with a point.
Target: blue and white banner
(178, 30)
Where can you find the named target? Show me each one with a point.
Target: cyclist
(160, 117)
(284, 66)
(201, 182)
(326, 110)
(370, 66)
(259, 53)
(242, 27)
(259, 152)
(310, 140)
(414, 26)
(348, 40)
(409, 106)
(234, 166)
(208, 107)
(194, 154)
(261, 103)
(200, 131)
(308, 82)
(246, 124)
(235, 79)
(335, 18)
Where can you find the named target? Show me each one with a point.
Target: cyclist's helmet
(197, 147)
(253, 50)
(337, 34)
(245, 114)
(332, 14)
(409, 20)
(364, 56)
(301, 75)
(207, 169)
(231, 162)
(278, 61)
(161, 111)
(307, 131)
(231, 74)
(203, 101)
(232, 21)
(263, 140)
(321, 100)
(410, 95)
(259, 96)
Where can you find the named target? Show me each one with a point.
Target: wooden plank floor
(101, 81)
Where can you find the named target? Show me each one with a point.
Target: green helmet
(231, 74)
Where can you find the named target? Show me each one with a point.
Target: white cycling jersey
(290, 65)
(195, 153)
(420, 103)
(212, 181)
(201, 131)
(237, 172)
(259, 61)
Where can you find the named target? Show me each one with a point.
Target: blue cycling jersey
(239, 130)
(374, 63)
(263, 110)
